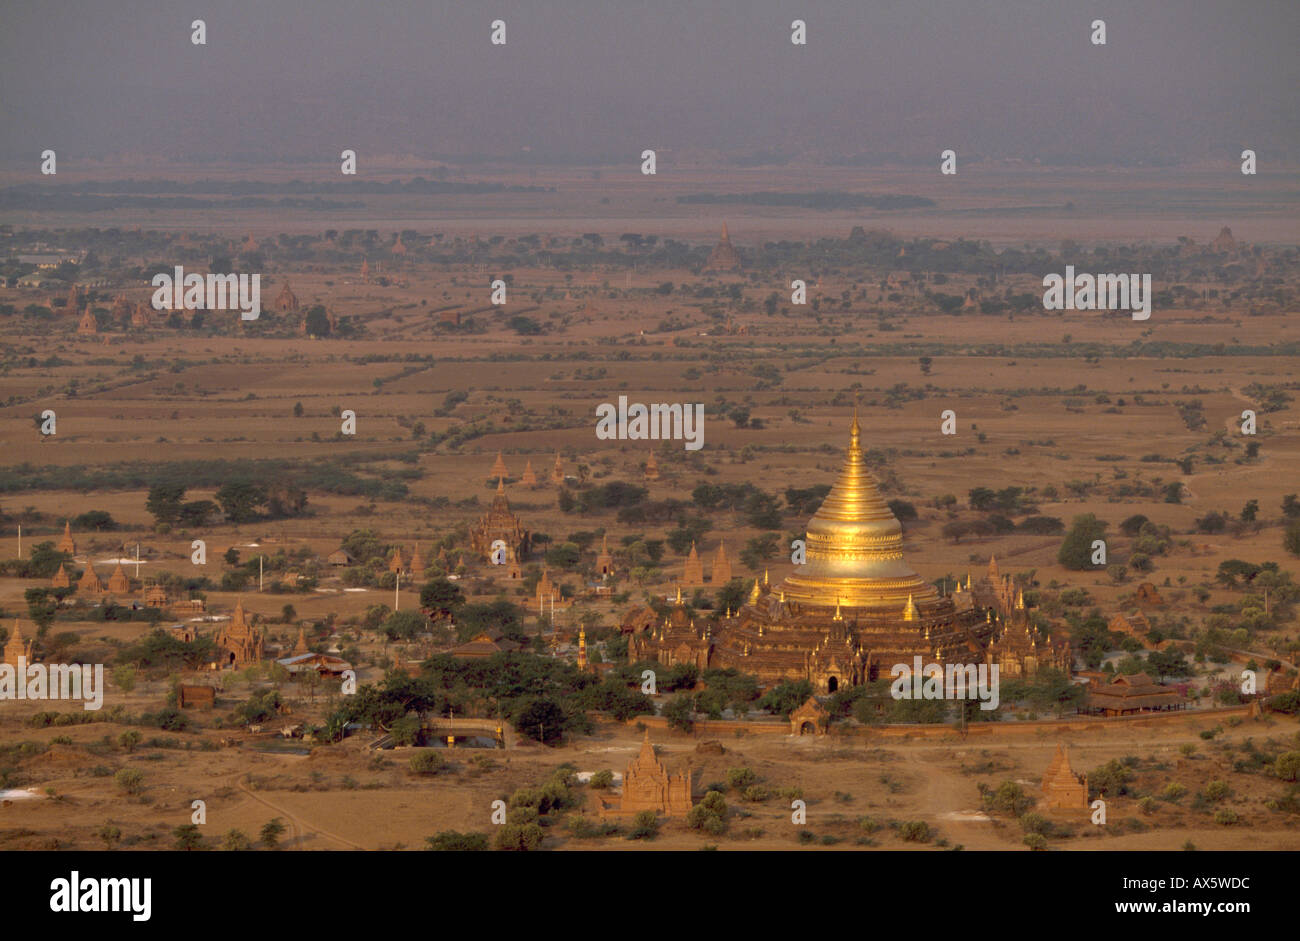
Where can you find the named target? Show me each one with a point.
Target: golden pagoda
(499, 467)
(855, 547)
(529, 479)
(855, 608)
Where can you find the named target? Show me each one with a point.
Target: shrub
(519, 837)
(915, 831)
(1216, 791)
(741, 778)
(645, 826)
(130, 780)
(454, 841)
(602, 779)
(427, 762)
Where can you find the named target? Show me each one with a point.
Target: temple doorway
(807, 729)
(832, 684)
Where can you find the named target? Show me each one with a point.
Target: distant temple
(693, 570)
(119, 583)
(604, 561)
(723, 257)
(499, 468)
(90, 583)
(239, 643)
(721, 573)
(529, 479)
(61, 579)
(647, 785)
(286, 300)
(652, 467)
(557, 472)
(1224, 242)
(397, 564)
(501, 523)
(15, 647)
(67, 543)
(855, 608)
(1062, 788)
(87, 326)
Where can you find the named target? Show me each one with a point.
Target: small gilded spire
(909, 612)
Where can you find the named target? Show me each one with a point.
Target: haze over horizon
(588, 81)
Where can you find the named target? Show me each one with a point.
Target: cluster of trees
(241, 501)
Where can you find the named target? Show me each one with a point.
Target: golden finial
(909, 613)
(754, 593)
(838, 616)
(679, 594)
(765, 577)
(1020, 600)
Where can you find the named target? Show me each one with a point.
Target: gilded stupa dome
(854, 548)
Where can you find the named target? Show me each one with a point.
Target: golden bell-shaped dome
(854, 547)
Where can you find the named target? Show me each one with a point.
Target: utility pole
(20, 540)
(259, 572)
(397, 587)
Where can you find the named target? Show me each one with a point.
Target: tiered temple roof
(693, 570)
(1062, 788)
(501, 523)
(721, 565)
(119, 583)
(90, 583)
(239, 642)
(67, 543)
(16, 647)
(723, 257)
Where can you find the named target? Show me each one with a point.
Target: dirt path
(297, 826)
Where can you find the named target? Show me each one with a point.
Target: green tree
(440, 597)
(110, 834)
(271, 831)
(241, 500)
(678, 714)
(164, 502)
(188, 837)
(236, 841)
(1076, 549)
(540, 719)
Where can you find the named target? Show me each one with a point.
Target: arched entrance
(807, 729)
(832, 684)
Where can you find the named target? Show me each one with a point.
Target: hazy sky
(1181, 80)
